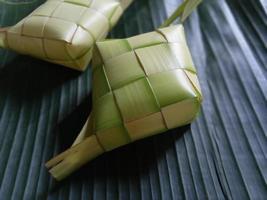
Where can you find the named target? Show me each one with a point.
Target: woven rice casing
(142, 86)
(64, 31)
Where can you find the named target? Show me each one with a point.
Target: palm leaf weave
(142, 86)
(64, 31)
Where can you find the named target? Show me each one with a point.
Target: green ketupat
(142, 86)
(64, 31)
(147, 84)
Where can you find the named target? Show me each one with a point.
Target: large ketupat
(64, 31)
(142, 86)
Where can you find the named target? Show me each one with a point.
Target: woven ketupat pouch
(142, 86)
(64, 31)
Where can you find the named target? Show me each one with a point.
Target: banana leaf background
(222, 155)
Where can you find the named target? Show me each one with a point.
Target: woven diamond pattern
(143, 85)
(64, 31)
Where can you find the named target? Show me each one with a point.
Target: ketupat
(142, 86)
(64, 31)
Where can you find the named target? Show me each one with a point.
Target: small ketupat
(64, 31)
(142, 86)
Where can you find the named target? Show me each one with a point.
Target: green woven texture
(63, 31)
(143, 85)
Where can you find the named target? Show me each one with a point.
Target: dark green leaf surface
(221, 156)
